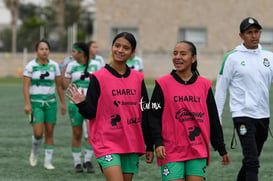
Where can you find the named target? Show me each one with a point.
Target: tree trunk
(12, 5)
(60, 20)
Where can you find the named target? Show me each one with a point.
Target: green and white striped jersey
(75, 72)
(135, 63)
(99, 59)
(42, 78)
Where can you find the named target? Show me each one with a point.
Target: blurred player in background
(135, 63)
(93, 53)
(64, 63)
(40, 77)
(77, 72)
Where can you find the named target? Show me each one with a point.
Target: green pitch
(15, 145)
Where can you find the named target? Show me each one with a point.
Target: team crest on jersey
(93, 68)
(166, 171)
(108, 158)
(243, 63)
(243, 130)
(51, 68)
(266, 62)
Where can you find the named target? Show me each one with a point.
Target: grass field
(15, 145)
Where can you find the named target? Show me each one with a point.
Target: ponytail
(83, 47)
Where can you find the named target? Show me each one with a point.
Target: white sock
(36, 145)
(77, 158)
(88, 155)
(85, 129)
(48, 155)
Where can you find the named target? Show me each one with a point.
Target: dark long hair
(83, 46)
(194, 52)
(129, 37)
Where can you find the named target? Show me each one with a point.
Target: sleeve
(222, 83)
(102, 62)
(28, 70)
(216, 132)
(64, 63)
(58, 72)
(146, 129)
(140, 63)
(68, 71)
(155, 115)
(88, 108)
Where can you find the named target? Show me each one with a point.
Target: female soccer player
(184, 119)
(39, 92)
(117, 123)
(93, 53)
(77, 72)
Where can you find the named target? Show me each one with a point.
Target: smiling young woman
(117, 126)
(186, 120)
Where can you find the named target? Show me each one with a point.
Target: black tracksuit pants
(252, 134)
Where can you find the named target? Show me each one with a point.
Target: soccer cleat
(33, 159)
(49, 166)
(89, 167)
(78, 168)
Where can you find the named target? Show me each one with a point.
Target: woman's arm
(216, 131)
(28, 108)
(58, 82)
(87, 106)
(155, 115)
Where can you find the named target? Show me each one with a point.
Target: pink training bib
(117, 126)
(185, 120)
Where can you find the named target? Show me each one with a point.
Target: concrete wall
(155, 65)
(158, 21)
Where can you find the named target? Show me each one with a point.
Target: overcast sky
(4, 12)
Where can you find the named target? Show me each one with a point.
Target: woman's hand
(63, 108)
(149, 157)
(28, 109)
(225, 160)
(75, 96)
(160, 152)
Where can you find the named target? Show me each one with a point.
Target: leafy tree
(49, 18)
(12, 5)
(5, 37)
(28, 10)
(29, 33)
